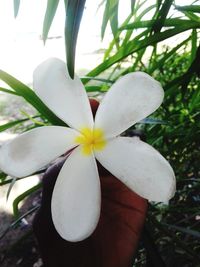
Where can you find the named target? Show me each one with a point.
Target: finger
(122, 217)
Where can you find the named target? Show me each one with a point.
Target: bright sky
(21, 47)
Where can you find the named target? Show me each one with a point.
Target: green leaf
(96, 79)
(132, 5)
(108, 51)
(150, 23)
(8, 91)
(194, 45)
(114, 18)
(161, 62)
(93, 88)
(28, 94)
(10, 187)
(11, 124)
(161, 16)
(133, 46)
(110, 14)
(138, 18)
(74, 12)
(191, 8)
(22, 197)
(2, 177)
(5, 181)
(49, 16)
(16, 7)
(105, 18)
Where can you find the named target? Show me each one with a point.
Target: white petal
(140, 167)
(76, 197)
(132, 98)
(34, 149)
(67, 98)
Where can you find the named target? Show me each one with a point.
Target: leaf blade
(16, 7)
(49, 16)
(74, 12)
(31, 97)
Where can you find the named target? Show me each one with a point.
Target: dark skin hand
(115, 240)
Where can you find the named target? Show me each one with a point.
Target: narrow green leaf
(49, 16)
(195, 100)
(166, 56)
(110, 14)
(108, 51)
(194, 45)
(191, 15)
(161, 16)
(33, 119)
(8, 91)
(16, 7)
(114, 18)
(150, 23)
(185, 78)
(133, 46)
(138, 18)
(8, 181)
(74, 12)
(10, 187)
(11, 124)
(93, 88)
(191, 8)
(28, 94)
(96, 79)
(105, 18)
(132, 5)
(2, 177)
(22, 197)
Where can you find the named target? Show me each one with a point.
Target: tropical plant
(166, 46)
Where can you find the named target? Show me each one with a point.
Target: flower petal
(67, 98)
(76, 197)
(34, 149)
(139, 166)
(129, 100)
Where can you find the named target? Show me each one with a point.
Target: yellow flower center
(91, 140)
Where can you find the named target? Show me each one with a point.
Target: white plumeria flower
(76, 197)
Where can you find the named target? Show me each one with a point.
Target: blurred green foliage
(172, 232)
